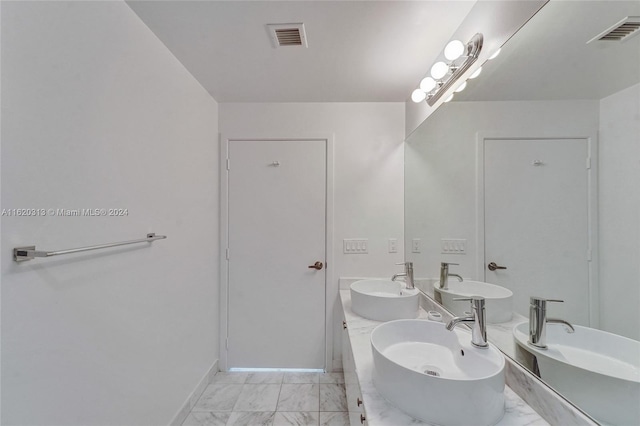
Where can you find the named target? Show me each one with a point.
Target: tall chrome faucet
(444, 275)
(407, 274)
(538, 322)
(479, 319)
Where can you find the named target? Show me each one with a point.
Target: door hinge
(228, 164)
(589, 254)
(227, 254)
(226, 343)
(588, 163)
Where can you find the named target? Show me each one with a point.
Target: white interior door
(536, 223)
(277, 229)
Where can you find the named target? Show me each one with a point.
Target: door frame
(591, 165)
(224, 237)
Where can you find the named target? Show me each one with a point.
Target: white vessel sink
(595, 370)
(384, 300)
(498, 300)
(436, 375)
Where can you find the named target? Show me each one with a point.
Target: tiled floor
(272, 399)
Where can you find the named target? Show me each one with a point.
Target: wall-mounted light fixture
(445, 75)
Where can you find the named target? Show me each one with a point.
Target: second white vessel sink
(384, 300)
(436, 375)
(499, 300)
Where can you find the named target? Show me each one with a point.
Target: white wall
(368, 197)
(619, 212)
(98, 114)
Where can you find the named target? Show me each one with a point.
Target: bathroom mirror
(534, 167)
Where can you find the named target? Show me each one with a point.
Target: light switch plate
(355, 246)
(451, 246)
(416, 245)
(393, 245)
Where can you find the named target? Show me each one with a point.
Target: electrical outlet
(416, 245)
(355, 246)
(393, 245)
(449, 246)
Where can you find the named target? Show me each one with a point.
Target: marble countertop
(380, 412)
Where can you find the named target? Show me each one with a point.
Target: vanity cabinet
(357, 416)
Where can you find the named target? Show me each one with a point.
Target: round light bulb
(454, 50)
(427, 84)
(476, 73)
(418, 96)
(461, 87)
(495, 55)
(449, 98)
(439, 70)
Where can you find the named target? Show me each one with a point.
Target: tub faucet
(538, 322)
(444, 275)
(407, 274)
(479, 319)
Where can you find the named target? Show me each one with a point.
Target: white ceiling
(548, 59)
(374, 51)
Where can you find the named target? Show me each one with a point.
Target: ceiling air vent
(287, 35)
(621, 31)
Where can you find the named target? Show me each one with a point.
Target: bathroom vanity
(366, 406)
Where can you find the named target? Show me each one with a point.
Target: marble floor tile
(206, 418)
(334, 419)
(306, 418)
(258, 398)
(224, 377)
(218, 397)
(265, 378)
(333, 397)
(299, 397)
(251, 419)
(331, 378)
(301, 378)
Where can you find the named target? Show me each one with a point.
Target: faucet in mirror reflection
(445, 274)
(538, 322)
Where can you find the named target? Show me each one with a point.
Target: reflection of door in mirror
(536, 221)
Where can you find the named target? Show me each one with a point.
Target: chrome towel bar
(20, 254)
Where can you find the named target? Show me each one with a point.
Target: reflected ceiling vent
(287, 35)
(622, 31)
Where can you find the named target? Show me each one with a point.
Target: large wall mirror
(529, 180)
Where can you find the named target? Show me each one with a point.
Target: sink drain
(431, 370)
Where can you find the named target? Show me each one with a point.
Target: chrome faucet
(407, 274)
(538, 322)
(444, 275)
(478, 317)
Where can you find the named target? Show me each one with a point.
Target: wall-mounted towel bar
(20, 254)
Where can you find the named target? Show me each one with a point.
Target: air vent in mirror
(621, 31)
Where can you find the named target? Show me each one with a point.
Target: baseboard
(193, 398)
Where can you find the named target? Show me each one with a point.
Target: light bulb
(427, 84)
(495, 55)
(476, 73)
(439, 70)
(418, 96)
(461, 87)
(454, 50)
(449, 98)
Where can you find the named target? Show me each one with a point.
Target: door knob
(492, 266)
(317, 266)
